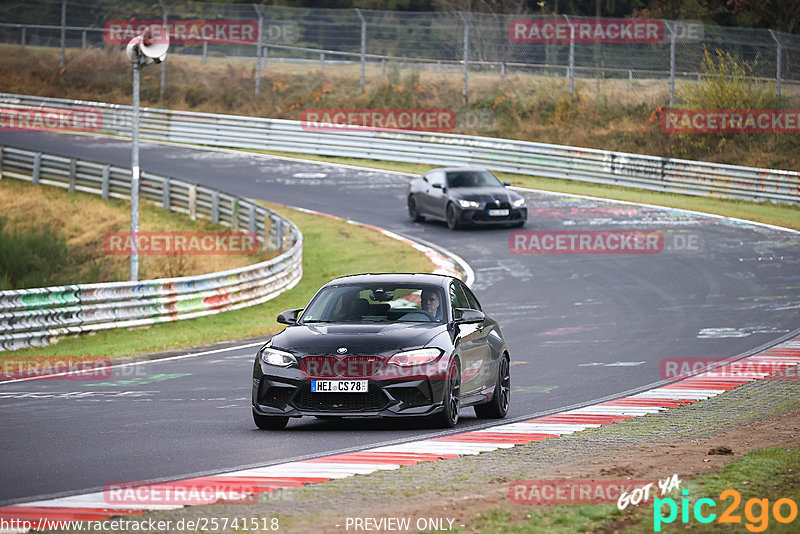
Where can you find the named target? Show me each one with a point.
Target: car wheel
(413, 210)
(452, 217)
(448, 417)
(497, 408)
(270, 422)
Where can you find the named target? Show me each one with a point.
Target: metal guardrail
(32, 317)
(522, 157)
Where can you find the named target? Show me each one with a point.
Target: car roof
(394, 278)
(454, 169)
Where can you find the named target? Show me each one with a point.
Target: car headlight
(416, 357)
(277, 357)
(519, 202)
(468, 204)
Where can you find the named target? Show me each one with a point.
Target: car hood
(483, 194)
(371, 339)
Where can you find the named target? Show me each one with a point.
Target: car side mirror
(470, 316)
(437, 186)
(425, 179)
(289, 316)
(506, 184)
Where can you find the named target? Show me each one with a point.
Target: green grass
(786, 215)
(331, 248)
(769, 473)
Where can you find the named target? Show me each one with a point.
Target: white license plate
(498, 213)
(339, 386)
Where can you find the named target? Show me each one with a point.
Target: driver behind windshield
(431, 303)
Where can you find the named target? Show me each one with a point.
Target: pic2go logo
(756, 511)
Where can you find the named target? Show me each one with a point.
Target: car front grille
(373, 400)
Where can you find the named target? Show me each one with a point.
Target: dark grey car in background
(465, 195)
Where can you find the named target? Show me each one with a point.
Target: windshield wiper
(318, 321)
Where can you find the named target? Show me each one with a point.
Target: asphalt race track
(580, 326)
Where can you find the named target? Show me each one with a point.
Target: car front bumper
(482, 217)
(287, 393)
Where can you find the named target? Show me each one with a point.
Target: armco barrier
(537, 159)
(31, 317)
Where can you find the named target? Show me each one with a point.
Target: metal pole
(63, 62)
(205, 51)
(83, 40)
(571, 69)
(778, 66)
(671, 65)
(258, 48)
(163, 85)
(22, 38)
(363, 47)
(466, 56)
(135, 174)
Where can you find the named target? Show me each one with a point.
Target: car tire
(497, 408)
(413, 210)
(452, 217)
(270, 422)
(451, 399)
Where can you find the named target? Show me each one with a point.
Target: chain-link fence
(462, 42)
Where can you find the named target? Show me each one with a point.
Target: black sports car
(465, 196)
(384, 345)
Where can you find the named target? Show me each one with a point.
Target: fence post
(163, 63)
(105, 181)
(37, 167)
(235, 214)
(214, 207)
(363, 47)
(251, 221)
(205, 51)
(22, 38)
(630, 80)
(322, 60)
(671, 64)
(193, 202)
(1, 162)
(571, 68)
(466, 56)
(83, 40)
(63, 61)
(778, 66)
(165, 195)
(72, 170)
(267, 230)
(258, 48)
(266, 57)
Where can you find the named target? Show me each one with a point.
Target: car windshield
(472, 179)
(380, 303)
